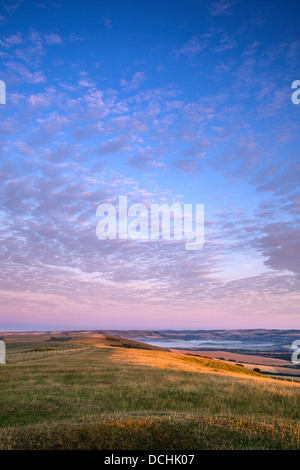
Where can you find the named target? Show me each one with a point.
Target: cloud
(281, 245)
(75, 37)
(107, 22)
(44, 6)
(23, 148)
(143, 159)
(186, 165)
(191, 48)
(11, 7)
(25, 74)
(197, 149)
(227, 43)
(12, 40)
(135, 82)
(114, 146)
(52, 39)
(40, 100)
(221, 7)
(86, 82)
(233, 110)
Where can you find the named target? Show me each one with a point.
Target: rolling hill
(98, 391)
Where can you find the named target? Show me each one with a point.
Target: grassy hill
(101, 340)
(105, 392)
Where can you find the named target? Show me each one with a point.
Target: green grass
(98, 399)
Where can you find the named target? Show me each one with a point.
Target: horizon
(51, 330)
(185, 102)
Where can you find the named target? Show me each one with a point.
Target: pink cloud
(52, 39)
(135, 82)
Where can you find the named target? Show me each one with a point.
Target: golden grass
(104, 341)
(184, 362)
(111, 397)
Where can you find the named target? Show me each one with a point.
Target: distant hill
(103, 340)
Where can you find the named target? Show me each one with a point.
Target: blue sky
(182, 101)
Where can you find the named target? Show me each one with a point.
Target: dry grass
(172, 433)
(127, 398)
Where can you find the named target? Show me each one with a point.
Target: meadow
(101, 392)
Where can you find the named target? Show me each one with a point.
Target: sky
(182, 101)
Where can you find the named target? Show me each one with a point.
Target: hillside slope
(90, 393)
